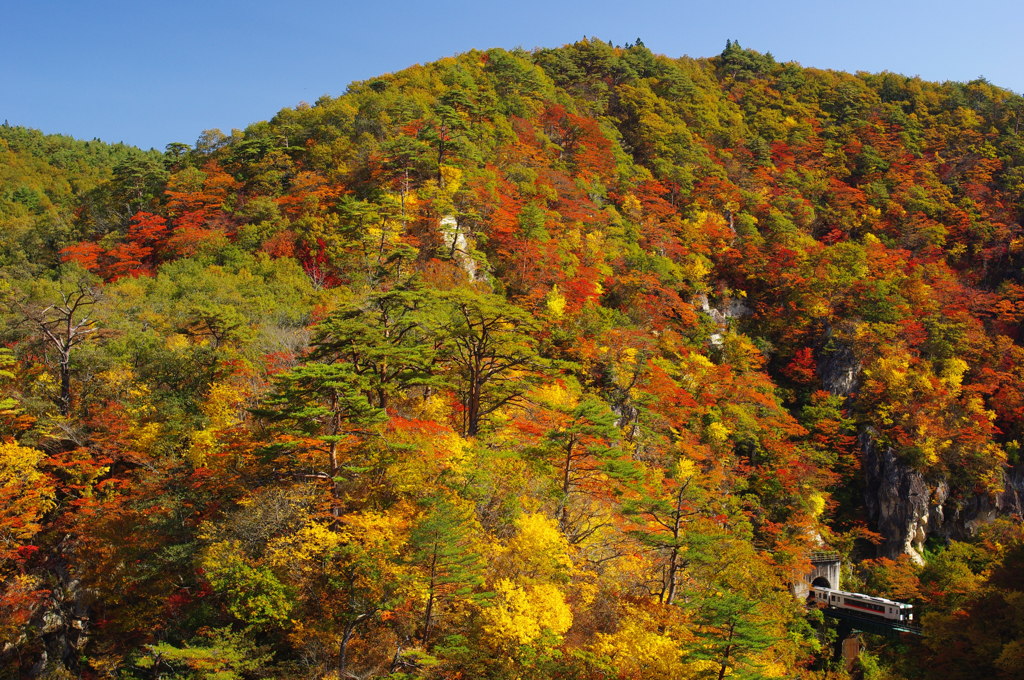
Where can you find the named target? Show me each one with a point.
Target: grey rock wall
(898, 500)
(902, 504)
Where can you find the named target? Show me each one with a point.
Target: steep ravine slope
(903, 505)
(518, 364)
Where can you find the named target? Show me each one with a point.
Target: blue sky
(151, 72)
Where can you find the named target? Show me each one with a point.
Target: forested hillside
(551, 364)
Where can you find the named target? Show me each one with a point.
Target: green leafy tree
(579, 440)
(383, 340)
(666, 512)
(217, 654)
(737, 603)
(321, 412)
(491, 350)
(731, 631)
(443, 549)
(252, 593)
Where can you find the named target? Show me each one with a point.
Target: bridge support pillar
(851, 650)
(843, 630)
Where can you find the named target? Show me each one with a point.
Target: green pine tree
(443, 549)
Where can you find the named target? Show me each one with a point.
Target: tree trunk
(64, 406)
(428, 615)
(473, 409)
(563, 510)
(343, 650)
(669, 593)
(728, 651)
(335, 466)
(346, 637)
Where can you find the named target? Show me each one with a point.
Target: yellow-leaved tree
(27, 494)
(529, 577)
(344, 574)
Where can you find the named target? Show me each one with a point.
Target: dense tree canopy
(515, 365)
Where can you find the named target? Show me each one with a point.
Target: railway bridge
(851, 622)
(826, 573)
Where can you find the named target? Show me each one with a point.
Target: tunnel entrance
(825, 573)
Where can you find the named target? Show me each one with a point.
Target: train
(890, 610)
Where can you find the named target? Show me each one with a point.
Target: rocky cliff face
(898, 499)
(840, 370)
(722, 315)
(906, 508)
(459, 245)
(63, 625)
(903, 505)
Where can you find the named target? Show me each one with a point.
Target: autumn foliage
(553, 365)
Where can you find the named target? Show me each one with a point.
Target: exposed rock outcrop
(729, 309)
(904, 506)
(839, 370)
(459, 245)
(63, 624)
(897, 499)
